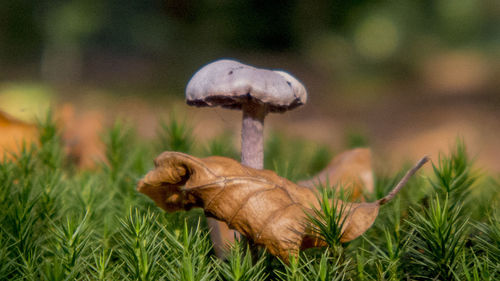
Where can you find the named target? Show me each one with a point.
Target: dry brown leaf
(268, 209)
(351, 170)
(13, 133)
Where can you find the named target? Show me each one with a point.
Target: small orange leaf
(13, 133)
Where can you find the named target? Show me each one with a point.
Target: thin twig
(403, 181)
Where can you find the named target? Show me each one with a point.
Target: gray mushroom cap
(229, 84)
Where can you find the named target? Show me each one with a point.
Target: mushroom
(231, 84)
(255, 91)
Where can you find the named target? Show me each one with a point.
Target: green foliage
(488, 240)
(322, 268)
(475, 268)
(239, 265)
(294, 158)
(356, 138)
(67, 250)
(453, 174)
(141, 251)
(51, 153)
(175, 136)
(99, 268)
(189, 255)
(222, 145)
(439, 239)
(59, 223)
(327, 221)
(389, 255)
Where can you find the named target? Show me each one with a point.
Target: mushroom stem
(252, 135)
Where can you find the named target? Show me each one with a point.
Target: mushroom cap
(230, 84)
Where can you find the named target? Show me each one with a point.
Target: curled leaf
(351, 170)
(266, 208)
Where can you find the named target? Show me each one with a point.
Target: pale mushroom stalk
(252, 135)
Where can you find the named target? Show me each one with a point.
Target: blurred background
(404, 77)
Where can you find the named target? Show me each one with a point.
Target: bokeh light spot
(377, 37)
